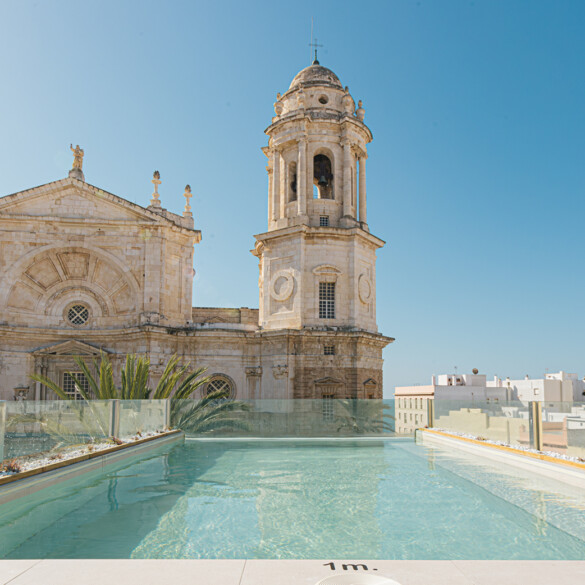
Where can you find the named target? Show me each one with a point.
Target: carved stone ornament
(282, 284)
(364, 289)
(77, 157)
(278, 106)
(254, 371)
(280, 372)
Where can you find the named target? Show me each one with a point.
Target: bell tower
(318, 258)
(317, 154)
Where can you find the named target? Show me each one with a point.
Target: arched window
(292, 181)
(323, 176)
(220, 383)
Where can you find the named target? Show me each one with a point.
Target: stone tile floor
(270, 572)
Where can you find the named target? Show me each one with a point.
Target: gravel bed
(36, 460)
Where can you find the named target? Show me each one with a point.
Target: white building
(412, 401)
(558, 387)
(465, 389)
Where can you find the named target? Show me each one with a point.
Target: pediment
(70, 347)
(370, 382)
(326, 269)
(328, 381)
(73, 199)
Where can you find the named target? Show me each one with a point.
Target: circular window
(323, 99)
(78, 314)
(220, 383)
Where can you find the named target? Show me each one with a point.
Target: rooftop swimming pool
(300, 499)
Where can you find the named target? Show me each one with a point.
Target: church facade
(84, 271)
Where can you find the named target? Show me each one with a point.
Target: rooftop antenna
(314, 45)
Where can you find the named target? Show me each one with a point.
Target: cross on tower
(314, 45)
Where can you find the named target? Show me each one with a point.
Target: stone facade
(83, 270)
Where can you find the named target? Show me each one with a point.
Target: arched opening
(292, 181)
(322, 177)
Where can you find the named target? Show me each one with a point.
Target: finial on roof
(187, 194)
(315, 45)
(76, 171)
(155, 202)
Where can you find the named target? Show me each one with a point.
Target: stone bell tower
(318, 259)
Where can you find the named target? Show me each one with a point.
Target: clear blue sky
(476, 175)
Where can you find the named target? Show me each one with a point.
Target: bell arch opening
(292, 181)
(322, 177)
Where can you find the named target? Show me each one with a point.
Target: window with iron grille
(327, 406)
(324, 221)
(329, 349)
(78, 314)
(220, 383)
(70, 387)
(326, 300)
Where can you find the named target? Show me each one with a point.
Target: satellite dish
(359, 579)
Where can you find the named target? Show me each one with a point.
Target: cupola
(317, 153)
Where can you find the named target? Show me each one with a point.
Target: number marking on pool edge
(346, 566)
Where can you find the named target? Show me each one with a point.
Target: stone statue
(77, 156)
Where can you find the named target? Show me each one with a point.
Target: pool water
(389, 499)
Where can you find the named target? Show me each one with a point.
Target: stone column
(283, 175)
(270, 188)
(275, 184)
(253, 377)
(346, 178)
(363, 217)
(302, 177)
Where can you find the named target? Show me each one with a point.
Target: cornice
(320, 232)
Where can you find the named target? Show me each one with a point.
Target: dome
(316, 75)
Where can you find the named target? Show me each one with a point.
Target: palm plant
(213, 413)
(175, 382)
(364, 416)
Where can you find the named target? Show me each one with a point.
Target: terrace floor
(287, 572)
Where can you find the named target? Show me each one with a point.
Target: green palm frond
(364, 416)
(212, 413)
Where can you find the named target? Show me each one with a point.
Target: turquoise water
(387, 499)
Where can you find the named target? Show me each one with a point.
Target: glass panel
(503, 421)
(285, 418)
(141, 416)
(53, 425)
(563, 428)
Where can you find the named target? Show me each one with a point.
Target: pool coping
(509, 449)
(568, 472)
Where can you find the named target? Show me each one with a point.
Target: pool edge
(569, 472)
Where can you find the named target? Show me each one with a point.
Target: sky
(476, 172)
